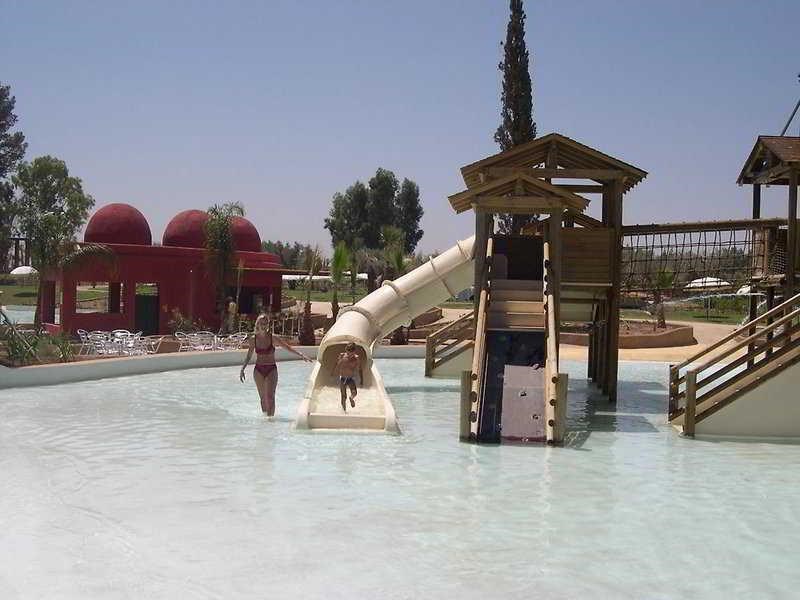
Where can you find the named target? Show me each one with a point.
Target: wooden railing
(442, 344)
(739, 354)
(555, 383)
(479, 349)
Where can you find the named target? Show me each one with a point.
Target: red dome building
(245, 235)
(148, 283)
(186, 230)
(118, 224)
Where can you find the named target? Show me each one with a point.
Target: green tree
(339, 264)
(380, 207)
(348, 217)
(220, 250)
(52, 208)
(517, 125)
(409, 212)
(12, 150)
(290, 253)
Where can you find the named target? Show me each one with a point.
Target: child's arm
(336, 365)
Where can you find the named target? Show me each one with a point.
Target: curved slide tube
(368, 321)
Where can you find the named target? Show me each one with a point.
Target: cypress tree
(517, 126)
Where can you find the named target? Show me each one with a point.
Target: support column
(791, 237)
(615, 222)
(481, 239)
(69, 293)
(114, 289)
(753, 307)
(770, 306)
(554, 239)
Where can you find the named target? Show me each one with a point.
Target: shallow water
(20, 314)
(173, 485)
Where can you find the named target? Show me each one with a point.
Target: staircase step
(522, 295)
(516, 284)
(514, 320)
(516, 306)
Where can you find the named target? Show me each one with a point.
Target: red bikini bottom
(265, 370)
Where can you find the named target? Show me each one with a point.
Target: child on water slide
(347, 365)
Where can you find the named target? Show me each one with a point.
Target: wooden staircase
(453, 341)
(737, 364)
(516, 304)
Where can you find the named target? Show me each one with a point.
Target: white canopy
(24, 270)
(707, 283)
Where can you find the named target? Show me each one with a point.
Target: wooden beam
(756, 201)
(520, 204)
(771, 174)
(581, 188)
(584, 220)
(596, 174)
(734, 224)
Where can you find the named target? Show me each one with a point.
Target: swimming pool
(173, 485)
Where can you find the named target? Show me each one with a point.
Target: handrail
(697, 390)
(478, 358)
(737, 332)
(552, 389)
(459, 323)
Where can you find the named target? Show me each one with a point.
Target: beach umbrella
(707, 284)
(24, 270)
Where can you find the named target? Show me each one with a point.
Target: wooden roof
(518, 193)
(770, 160)
(555, 152)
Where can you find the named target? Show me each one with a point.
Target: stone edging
(88, 370)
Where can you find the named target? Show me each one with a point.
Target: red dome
(245, 235)
(118, 224)
(186, 229)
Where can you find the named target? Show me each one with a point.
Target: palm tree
(221, 249)
(338, 264)
(396, 264)
(312, 262)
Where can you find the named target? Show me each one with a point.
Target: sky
(280, 104)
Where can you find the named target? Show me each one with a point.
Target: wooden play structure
(568, 266)
(746, 383)
(565, 264)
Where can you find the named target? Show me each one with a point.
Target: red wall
(182, 283)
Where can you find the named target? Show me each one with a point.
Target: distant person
(347, 365)
(265, 373)
(232, 313)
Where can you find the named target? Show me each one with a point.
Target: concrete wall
(770, 410)
(156, 363)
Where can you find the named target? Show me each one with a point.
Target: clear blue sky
(175, 105)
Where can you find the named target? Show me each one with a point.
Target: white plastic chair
(85, 345)
(183, 341)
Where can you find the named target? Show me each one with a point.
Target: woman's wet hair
(350, 347)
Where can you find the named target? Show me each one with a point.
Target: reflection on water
(174, 484)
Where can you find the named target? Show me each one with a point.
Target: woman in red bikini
(265, 373)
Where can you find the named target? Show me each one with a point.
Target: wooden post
(691, 403)
(791, 236)
(756, 200)
(770, 306)
(466, 405)
(753, 308)
(481, 239)
(615, 222)
(554, 239)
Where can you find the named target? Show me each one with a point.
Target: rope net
(699, 259)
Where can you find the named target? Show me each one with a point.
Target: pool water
(173, 485)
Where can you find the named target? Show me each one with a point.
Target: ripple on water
(173, 484)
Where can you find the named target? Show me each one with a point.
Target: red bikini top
(268, 350)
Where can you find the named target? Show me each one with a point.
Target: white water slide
(368, 321)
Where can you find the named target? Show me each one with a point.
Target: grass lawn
(25, 295)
